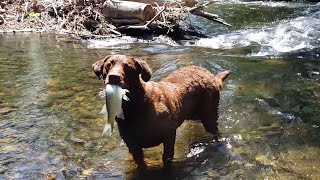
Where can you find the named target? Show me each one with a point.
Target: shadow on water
(50, 126)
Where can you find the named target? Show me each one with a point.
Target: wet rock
(8, 148)
(5, 140)
(24, 125)
(69, 173)
(264, 160)
(64, 94)
(6, 110)
(77, 2)
(249, 165)
(213, 174)
(79, 98)
(51, 177)
(52, 82)
(77, 140)
(87, 172)
(2, 4)
(77, 88)
(2, 11)
(275, 62)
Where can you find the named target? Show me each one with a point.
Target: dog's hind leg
(168, 149)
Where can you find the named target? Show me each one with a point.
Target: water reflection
(51, 127)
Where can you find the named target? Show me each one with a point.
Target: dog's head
(121, 70)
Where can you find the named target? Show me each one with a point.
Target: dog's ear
(100, 69)
(220, 77)
(144, 69)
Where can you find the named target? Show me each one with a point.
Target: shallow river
(50, 126)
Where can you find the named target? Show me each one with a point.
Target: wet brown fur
(157, 109)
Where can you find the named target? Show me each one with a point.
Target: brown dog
(157, 109)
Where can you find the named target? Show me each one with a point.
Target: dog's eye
(108, 65)
(126, 66)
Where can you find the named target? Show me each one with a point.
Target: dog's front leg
(168, 149)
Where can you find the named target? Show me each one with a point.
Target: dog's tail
(220, 77)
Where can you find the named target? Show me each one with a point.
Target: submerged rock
(6, 110)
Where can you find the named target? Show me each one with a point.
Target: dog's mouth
(120, 84)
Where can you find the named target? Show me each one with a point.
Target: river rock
(24, 125)
(77, 88)
(2, 4)
(52, 82)
(79, 98)
(1, 20)
(77, 2)
(2, 11)
(87, 172)
(6, 110)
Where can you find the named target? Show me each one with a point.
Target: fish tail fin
(107, 130)
(112, 125)
(125, 97)
(125, 90)
(104, 110)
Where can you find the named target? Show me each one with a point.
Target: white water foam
(288, 36)
(264, 3)
(112, 42)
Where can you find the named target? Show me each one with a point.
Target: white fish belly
(113, 101)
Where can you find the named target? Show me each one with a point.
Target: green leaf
(33, 14)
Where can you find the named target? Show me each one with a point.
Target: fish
(113, 95)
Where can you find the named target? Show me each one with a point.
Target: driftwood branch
(156, 16)
(200, 6)
(146, 26)
(212, 17)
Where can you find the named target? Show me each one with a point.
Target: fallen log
(121, 22)
(128, 10)
(170, 3)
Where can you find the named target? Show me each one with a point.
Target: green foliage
(33, 14)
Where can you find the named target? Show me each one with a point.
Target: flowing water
(50, 126)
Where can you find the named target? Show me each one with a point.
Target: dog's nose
(114, 79)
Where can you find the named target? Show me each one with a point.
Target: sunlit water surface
(50, 126)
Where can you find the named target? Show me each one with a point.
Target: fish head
(123, 71)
